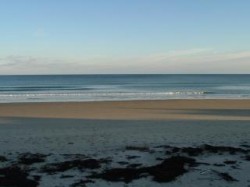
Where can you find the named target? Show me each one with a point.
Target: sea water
(55, 88)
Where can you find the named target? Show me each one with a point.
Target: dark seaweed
(15, 177)
(166, 171)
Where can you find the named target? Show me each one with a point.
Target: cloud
(199, 61)
(175, 56)
(15, 64)
(196, 55)
(182, 61)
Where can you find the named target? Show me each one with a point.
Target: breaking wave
(101, 96)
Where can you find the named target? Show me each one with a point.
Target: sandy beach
(126, 143)
(133, 110)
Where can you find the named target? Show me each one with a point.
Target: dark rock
(121, 174)
(132, 157)
(123, 163)
(170, 168)
(36, 177)
(192, 151)
(67, 165)
(176, 150)
(163, 146)
(166, 171)
(75, 156)
(219, 165)
(195, 151)
(82, 183)
(3, 159)
(168, 152)
(134, 165)
(220, 149)
(247, 158)
(226, 176)
(28, 158)
(134, 148)
(235, 167)
(15, 177)
(66, 176)
(230, 162)
(245, 145)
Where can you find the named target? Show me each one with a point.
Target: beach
(100, 143)
(211, 109)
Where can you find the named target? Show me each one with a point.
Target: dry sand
(131, 110)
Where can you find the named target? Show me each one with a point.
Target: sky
(124, 36)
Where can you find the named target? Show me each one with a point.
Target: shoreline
(188, 109)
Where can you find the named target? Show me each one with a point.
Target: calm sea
(122, 87)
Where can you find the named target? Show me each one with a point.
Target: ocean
(55, 88)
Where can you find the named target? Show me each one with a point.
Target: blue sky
(124, 36)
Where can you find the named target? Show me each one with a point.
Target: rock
(14, 176)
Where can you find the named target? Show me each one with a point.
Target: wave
(113, 96)
(171, 93)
